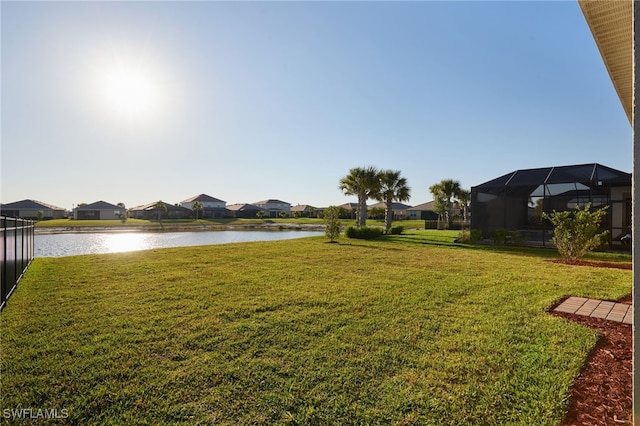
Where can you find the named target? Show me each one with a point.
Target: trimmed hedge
(363, 232)
(397, 230)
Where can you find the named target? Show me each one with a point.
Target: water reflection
(117, 243)
(59, 245)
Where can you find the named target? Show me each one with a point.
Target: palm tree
(196, 207)
(123, 214)
(160, 207)
(463, 200)
(446, 190)
(365, 184)
(392, 188)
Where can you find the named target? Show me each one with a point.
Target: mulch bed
(617, 265)
(602, 393)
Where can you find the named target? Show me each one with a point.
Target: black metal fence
(16, 252)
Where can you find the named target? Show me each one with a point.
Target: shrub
(363, 232)
(332, 222)
(516, 238)
(499, 236)
(503, 237)
(397, 230)
(576, 233)
(469, 236)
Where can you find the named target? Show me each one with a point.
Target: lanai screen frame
(508, 201)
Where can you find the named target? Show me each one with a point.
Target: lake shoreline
(46, 230)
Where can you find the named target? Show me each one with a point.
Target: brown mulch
(617, 265)
(602, 393)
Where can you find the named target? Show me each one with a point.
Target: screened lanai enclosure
(517, 200)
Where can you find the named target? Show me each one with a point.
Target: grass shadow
(432, 239)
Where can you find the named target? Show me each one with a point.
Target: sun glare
(130, 91)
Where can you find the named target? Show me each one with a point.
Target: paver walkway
(620, 312)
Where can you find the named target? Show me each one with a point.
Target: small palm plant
(160, 207)
(197, 206)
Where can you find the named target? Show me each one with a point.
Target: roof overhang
(611, 23)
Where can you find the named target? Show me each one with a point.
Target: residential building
(32, 209)
(422, 211)
(273, 208)
(350, 210)
(151, 212)
(212, 207)
(305, 210)
(245, 211)
(98, 210)
(399, 210)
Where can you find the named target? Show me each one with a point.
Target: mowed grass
(395, 331)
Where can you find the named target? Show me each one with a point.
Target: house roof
(525, 181)
(394, 206)
(242, 207)
(611, 24)
(99, 205)
(29, 204)
(270, 201)
(203, 197)
(423, 207)
(349, 206)
(152, 206)
(301, 208)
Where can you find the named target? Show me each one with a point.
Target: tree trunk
(388, 216)
(362, 211)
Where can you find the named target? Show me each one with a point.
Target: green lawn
(409, 329)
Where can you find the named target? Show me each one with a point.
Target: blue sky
(139, 101)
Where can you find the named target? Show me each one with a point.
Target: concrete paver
(612, 311)
(572, 304)
(602, 310)
(618, 312)
(588, 307)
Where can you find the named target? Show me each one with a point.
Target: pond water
(58, 245)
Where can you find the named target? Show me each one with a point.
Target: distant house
(98, 210)
(32, 209)
(212, 207)
(399, 210)
(350, 210)
(245, 211)
(305, 210)
(151, 212)
(272, 208)
(422, 212)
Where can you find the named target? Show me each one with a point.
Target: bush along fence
(16, 251)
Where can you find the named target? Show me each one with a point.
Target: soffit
(610, 22)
